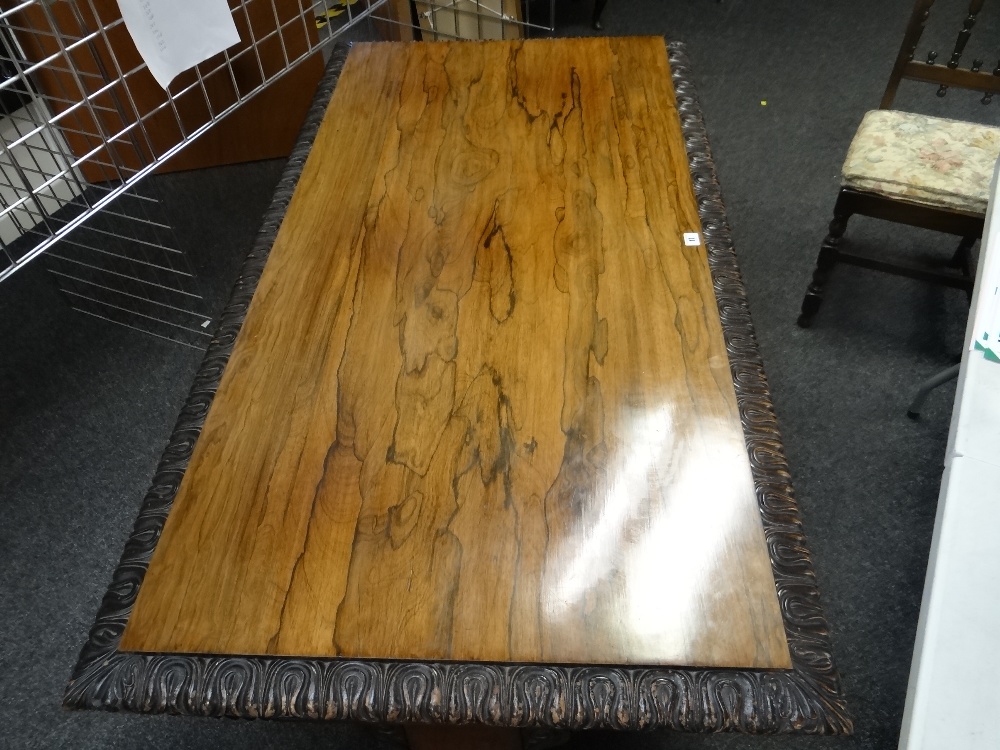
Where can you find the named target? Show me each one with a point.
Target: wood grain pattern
(480, 408)
(805, 699)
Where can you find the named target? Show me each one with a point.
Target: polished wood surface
(480, 407)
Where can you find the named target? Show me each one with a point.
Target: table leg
(435, 737)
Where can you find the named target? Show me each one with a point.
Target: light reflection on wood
(480, 408)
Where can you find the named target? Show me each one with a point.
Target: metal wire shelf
(83, 122)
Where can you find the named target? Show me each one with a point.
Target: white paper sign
(174, 35)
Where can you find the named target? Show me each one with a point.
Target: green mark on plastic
(988, 354)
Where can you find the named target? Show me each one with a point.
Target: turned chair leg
(827, 259)
(598, 9)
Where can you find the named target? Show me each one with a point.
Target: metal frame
(130, 269)
(806, 698)
(90, 99)
(32, 187)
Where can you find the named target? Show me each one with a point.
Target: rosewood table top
(488, 438)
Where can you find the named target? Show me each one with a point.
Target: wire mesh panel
(99, 122)
(435, 20)
(84, 120)
(125, 264)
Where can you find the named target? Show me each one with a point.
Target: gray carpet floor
(86, 407)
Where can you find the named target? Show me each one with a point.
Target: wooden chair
(913, 169)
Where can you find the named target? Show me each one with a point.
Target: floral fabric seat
(926, 160)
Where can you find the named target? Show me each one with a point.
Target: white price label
(692, 239)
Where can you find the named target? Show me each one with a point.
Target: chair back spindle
(945, 76)
(963, 38)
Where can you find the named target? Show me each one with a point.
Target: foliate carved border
(806, 698)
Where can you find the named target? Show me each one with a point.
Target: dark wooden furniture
(966, 224)
(491, 444)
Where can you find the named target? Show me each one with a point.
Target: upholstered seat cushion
(921, 159)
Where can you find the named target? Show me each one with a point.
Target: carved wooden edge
(806, 698)
(813, 672)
